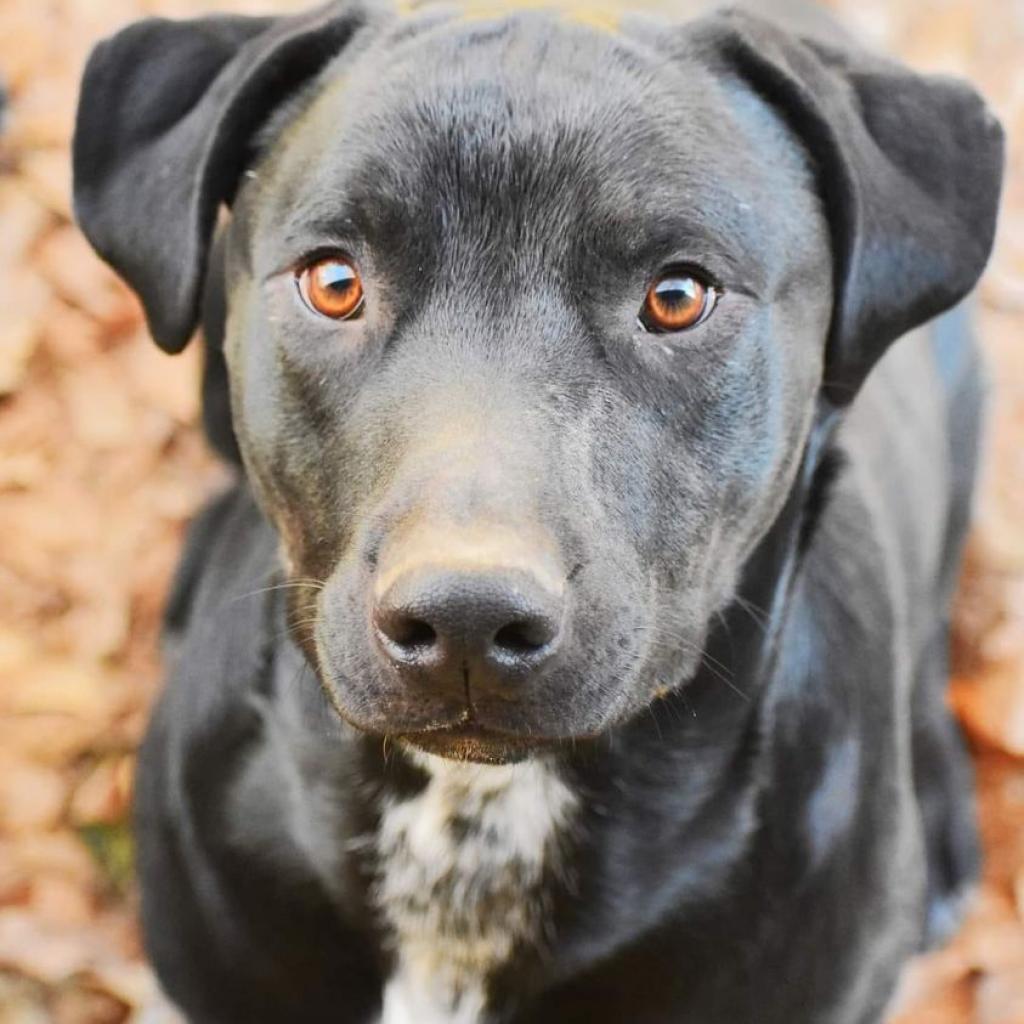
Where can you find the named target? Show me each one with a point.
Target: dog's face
(527, 328)
(510, 413)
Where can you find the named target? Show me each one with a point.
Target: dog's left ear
(166, 120)
(909, 167)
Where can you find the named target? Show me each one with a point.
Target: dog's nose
(489, 628)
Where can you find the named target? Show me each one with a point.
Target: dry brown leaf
(87, 1004)
(104, 795)
(22, 298)
(992, 707)
(81, 279)
(70, 336)
(58, 739)
(992, 940)
(59, 854)
(18, 341)
(44, 952)
(25, 43)
(32, 796)
(24, 219)
(60, 902)
(22, 1001)
(159, 381)
(941, 39)
(15, 884)
(46, 174)
(937, 989)
(62, 687)
(1000, 999)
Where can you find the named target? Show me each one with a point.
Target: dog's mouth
(473, 743)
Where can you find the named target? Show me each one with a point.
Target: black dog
(572, 647)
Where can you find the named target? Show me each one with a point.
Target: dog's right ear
(909, 170)
(166, 119)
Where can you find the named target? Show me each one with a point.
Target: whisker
(310, 584)
(758, 615)
(294, 627)
(654, 716)
(719, 670)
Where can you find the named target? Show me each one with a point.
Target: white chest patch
(461, 866)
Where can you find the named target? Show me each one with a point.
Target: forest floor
(101, 466)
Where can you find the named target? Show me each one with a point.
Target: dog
(572, 644)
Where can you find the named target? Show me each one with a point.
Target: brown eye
(677, 301)
(332, 287)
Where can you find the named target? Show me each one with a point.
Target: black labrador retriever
(572, 646)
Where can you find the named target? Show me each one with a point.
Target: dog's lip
(471, 742)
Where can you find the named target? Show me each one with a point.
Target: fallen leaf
(47, 176)
(77, 274)
(992, 707)
(104, 794)
(32, 796)
(87, 1004)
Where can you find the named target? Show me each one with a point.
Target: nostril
(523, 637)
(409, 632)
(405, 636)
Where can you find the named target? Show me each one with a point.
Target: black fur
(746, 690)
(825, 476)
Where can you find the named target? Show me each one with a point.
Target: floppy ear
(909, 167)
(166, 118)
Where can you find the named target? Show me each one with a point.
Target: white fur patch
(461, 866)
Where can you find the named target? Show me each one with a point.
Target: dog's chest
(461, 885)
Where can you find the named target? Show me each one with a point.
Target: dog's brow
(345, 226)
(680, 240)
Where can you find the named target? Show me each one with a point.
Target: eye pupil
(677, 301)
(332, 287)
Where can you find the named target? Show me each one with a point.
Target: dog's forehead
(530, 115)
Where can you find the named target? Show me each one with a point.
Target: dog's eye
(332, 287)
(677, 301)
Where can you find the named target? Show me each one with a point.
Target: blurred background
(102, 464)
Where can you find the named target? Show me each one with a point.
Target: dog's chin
(468, 743)
(454, 735)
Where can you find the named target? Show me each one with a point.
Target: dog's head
(529, 318)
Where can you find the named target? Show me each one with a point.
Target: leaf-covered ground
(101, 466)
